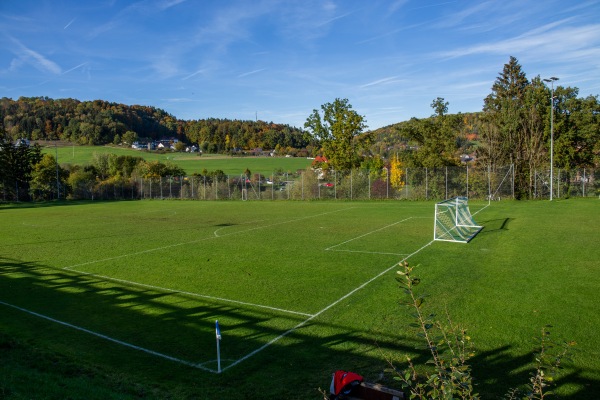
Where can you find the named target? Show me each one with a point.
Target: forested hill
(100, 122)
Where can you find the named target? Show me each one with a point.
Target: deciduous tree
(339, 131)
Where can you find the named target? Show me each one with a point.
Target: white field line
(370, 252)
(191, 294)
(200, 365)
(481, 209)
(73, 268)
(110, 339)
(322, 311)
(200, 240)
(368, 233)
(225, 227)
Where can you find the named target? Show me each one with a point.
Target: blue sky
(279, 60)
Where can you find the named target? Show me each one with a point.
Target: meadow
(119, 299)
(190, 163)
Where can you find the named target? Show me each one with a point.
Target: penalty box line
(367, 234)
(110, 339)
(301, 324)
(71, 267)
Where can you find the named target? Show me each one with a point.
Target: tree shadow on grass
(181, 326)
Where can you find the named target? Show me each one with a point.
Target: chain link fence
(416, 184)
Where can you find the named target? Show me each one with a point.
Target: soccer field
(139, 285)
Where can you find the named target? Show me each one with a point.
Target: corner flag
(217, 330)
(218, 333)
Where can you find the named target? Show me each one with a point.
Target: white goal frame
(453, 221)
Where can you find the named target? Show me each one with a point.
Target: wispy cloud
(559, 42)
(391, 79)
(396, 5)
(200, 71)
(76, 67)
(69, 24)
(330, 20)
(163, 5)
(34, 58)
(256, 71)
(459, 17)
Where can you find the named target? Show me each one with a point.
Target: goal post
(454, 222)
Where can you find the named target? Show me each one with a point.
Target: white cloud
(256, 71)
(562, 43)
(37, 60)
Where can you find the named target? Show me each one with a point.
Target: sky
(278, 60)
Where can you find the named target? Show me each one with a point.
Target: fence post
(467, 180)
(387, 183)
(426, 184)
(406, 183)
(583, 184)
(512, 166)
(489, 183)
(446, 178)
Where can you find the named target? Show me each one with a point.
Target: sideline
(110, 339)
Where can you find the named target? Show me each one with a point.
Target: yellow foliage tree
(396, 173)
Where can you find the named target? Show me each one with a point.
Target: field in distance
(190, 163)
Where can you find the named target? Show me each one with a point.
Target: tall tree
(504, 108)
(339, 131)
(576, 129)
(16, 165)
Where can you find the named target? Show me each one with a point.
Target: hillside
(100, 122)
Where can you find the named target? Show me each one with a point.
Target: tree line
(100, 122)
(514, 128)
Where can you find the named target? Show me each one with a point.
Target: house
(22, 142)
(318, 160)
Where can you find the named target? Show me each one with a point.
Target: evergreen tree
(16, 164)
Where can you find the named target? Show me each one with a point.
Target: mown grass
(133, 271)
(190, 163)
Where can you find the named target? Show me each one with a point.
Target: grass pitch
(190, 162)
(130, 291)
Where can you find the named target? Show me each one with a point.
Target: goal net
(454, 222)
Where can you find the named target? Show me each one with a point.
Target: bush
(451, 348)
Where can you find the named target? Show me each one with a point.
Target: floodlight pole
(551, 80)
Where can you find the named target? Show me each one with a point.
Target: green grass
(157, 274)
(191, 163)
